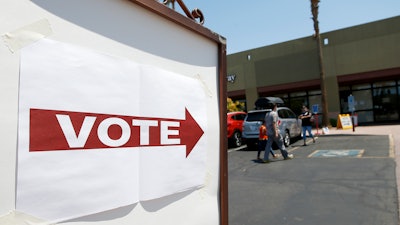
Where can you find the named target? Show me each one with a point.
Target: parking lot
(344, 178)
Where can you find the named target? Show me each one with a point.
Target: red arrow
(190, 132)
(52, 130)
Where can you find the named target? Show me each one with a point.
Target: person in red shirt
(262, 141)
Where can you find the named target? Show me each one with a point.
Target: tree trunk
(314, 11)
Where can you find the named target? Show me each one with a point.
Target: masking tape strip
(205, 188)
(206, 89)
(19, 218)
(29, 34)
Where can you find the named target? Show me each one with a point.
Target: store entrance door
(385, 104)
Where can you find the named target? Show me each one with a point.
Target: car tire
(286, 139)
(236, 139)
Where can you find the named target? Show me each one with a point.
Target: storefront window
(295, 100)
(282, 96)
(297, 94)
(314, 92)
(385, 104)
(365, 117)
(391, 83)
(344, 88)
(361, 86)
(376, 102)
(344, 95)
(297, 103)
(363, 99)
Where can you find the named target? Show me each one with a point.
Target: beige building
(362, 61)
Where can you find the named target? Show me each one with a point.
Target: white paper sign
(98, 132)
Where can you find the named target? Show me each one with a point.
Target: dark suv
(234, 127)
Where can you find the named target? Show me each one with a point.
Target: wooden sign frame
(93, 28)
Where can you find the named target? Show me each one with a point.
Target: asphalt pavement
(346, 177)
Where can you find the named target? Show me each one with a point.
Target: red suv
(235, 123)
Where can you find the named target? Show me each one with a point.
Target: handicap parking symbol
(336, 153)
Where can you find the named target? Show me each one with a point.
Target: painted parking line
(337, 153)
(237, 149)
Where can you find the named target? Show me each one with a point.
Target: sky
(257, 23)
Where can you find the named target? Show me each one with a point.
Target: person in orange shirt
(262, 141)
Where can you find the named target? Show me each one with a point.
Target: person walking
(262, 141)
(306, 124)
(274, 136)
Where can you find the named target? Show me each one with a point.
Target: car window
(240, 116)
(282, 113)
(291, 114)
(256, 116)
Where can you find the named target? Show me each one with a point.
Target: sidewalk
(373, 130)
(392, 130)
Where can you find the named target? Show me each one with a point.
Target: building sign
(231, 78)
(315, 108)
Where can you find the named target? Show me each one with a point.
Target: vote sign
(98, 132)
(77, 130)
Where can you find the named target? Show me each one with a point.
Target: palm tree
(314, 11)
